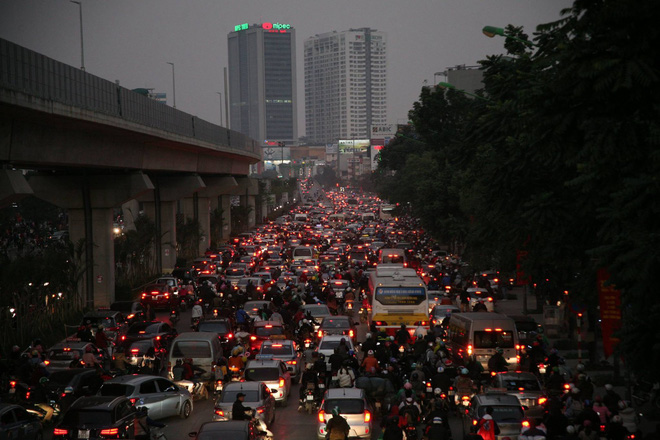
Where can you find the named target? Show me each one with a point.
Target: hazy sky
(132, 40)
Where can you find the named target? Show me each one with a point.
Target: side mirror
(192, 434)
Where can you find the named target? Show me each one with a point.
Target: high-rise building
(345, 84)
(262, 82)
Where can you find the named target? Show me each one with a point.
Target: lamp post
(173, 86)
(220, 93)
(491, 31)
(82, 50)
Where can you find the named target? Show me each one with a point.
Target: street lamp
(446, 85)
(220, 93)
(491, 31)
(82, 50)
(173, 86)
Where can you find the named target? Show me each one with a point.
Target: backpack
(410, 409)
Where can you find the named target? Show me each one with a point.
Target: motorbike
(174, 316)
(194, 321)
(310, 399)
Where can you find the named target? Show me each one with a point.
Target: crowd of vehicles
(379, 325)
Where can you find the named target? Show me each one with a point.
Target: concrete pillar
(131, 210)
(97, 195)
(224, 202)
(250, 202)
(13, 187)
(168, 231)
(203, 215)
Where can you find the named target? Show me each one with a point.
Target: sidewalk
(600, 377)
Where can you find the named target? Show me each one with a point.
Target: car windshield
(61, 354)
(269, 330)
(262, 374)
(229, 396)
(331, 345)
(141, 328)
(61, 377)
(214, 327)
(521, 384)
(319, 310)
(82, 418)
(235, 272)
(116, 389)
(346, 406)
(334, 323)
(191, 349)
(106, 322)
(490, 339)
(505, 414)
(277, 349)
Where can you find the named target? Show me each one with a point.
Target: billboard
(381, 131)
(331, 149)
(353, 146)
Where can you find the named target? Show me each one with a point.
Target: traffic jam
(343, 312)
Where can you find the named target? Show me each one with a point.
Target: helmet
(622, 404)
(368, 335)
(448, 363)
(575, 390)
(499, 350)
(407, 386)
(464, 371)
(335, 411)
(609, 387)
(579, 367)
(617, 419)
(437, 420)
(441, 369)
(413, 366)
(43, 380)
(570, 429)
(437, 391)
(370, 353)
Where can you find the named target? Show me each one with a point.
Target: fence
(34, 74)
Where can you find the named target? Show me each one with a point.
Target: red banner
(610, 311)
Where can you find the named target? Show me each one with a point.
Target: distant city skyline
(133, 41)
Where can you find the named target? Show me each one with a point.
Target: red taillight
(144, 295)
(322, 416)
(292, 362)
(220, 412)
(542, 400)
(123, 338)
(12, 384)
(320, 333)
(253, 338)
(261, 409)
(367, 417)
(525, 423)
(135, 350)
(155, 292)
(351, 333)
(59, 431)
(229, 336)
(281, 382)
(46, 362)
(133, 400)
(110, 431)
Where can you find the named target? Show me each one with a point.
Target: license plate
(310, 397)
(83, 433)
(429, 389)
(321, 385)
(12, 390)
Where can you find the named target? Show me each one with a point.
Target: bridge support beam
(89, 201)
(13, 187)
(247, 189)
(161, 206)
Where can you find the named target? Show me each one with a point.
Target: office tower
(345, 84)
(262, 82)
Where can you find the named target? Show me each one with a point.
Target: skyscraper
(345, 84)
(262, 82)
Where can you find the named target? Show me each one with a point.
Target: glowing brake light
(542, 400)
(135, 350)
(525, 423)
(320, 333)
(110, 431)
(229, 336)
(268, 326)
(60, 431)
(351, 333)
(281, 382)
(292, 362)
(219, 412)
(253, 338)
(322, 416)
(261, 409)
(367, 417)
(469, 349)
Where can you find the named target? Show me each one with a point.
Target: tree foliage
(561, 158)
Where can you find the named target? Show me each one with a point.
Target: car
(263, 330)
(327, 346)
(253, 308)
(478, 294)
(136, 350)
(283, 350)
(231, 429)
(223, 327)
(171, 281)
(353, 406)
(61, 354)
(523, 385)
(337, 325)
(97, 417)
(440, 311)
(274, 373)
(132, 310)
(70, 384)
(318, 312)
(17, 423)
(257, 397)
(507, 412)
(113, 322)
(233, 274)
(162, 397)
(163, 332)
(527, 328)
(159, 296)
(259, 283)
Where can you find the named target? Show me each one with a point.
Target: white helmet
(437, 391)
(464, 371)
(370, 353)
(368, 335)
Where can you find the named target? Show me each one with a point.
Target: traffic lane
(178, 428)
(290, 424)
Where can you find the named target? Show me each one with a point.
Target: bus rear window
(493, 339)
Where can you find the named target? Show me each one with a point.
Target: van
(204, 348)
(392, 255)
(480, 334)
(303, 253)
(300, 218)
(368, 217)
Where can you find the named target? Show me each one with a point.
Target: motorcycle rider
(337, 427)
(196, 314)
(463, 385)
(240, 411)
(437, 430)
(308, 380)
(497, 363)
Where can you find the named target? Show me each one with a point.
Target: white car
(328, 344)
(273, 373)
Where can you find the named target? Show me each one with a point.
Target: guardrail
(32, 73)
